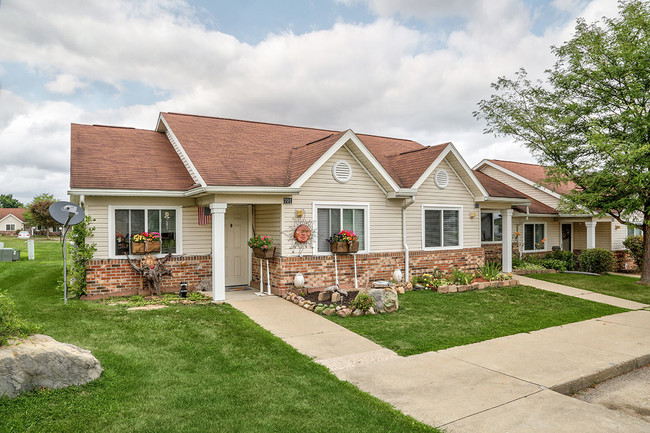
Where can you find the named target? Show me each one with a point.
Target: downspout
(404, 244)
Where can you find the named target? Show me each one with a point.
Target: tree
(38, 212)
(8, 201)
(589, 120)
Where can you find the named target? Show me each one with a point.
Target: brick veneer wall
(108, 277)
(319, 271)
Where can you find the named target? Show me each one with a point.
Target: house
(12, 220)
(208, 184)
(542, 226)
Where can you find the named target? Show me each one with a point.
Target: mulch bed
(345, 300)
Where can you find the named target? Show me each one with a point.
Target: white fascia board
(403, 193)
(468, 170)
(480, 165)
(348, 136)
(194, 173)
(430, 169)
(535, 215)
(244, 190)
(521, 178)
(512, 200)
(126, 193)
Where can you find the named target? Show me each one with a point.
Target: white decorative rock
(397, 276)
(299, 281)
(42, 362)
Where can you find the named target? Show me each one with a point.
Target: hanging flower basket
(339, 247)
(152, 246)
(353, 247)
(262, 253)
(138, 248)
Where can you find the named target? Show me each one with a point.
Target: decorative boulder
(385, 300)
(42, 362)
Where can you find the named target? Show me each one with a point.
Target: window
(534, 237)
(10, 227)
(128, 222)
(634, 231)
(491, 225)
(333, 219)
(442, 227)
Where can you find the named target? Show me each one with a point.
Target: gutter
(404, 243)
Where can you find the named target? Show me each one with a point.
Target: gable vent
(441, 179)
(341, 171)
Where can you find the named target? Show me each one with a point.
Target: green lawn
(429, 321)
(184, 368)
(613, 285)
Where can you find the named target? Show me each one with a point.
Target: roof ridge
(517, 162)
(251, 121)
(118, 127)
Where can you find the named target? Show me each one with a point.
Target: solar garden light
(183, 292)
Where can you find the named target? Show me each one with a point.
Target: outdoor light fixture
(183, 292)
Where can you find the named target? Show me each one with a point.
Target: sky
(410, 69)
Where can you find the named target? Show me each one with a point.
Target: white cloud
(380, 78)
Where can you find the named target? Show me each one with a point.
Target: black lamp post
(183, 292)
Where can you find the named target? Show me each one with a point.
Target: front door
(566, 237)
(237, 252)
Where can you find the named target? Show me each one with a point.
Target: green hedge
(596, 260)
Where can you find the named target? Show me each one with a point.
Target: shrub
(363, 302)
(558, 265)
(81, 253)
(635, 245)
(596, 260)
(565, 256)
(460, 277)
(490, 271)
(521, 264)
(11, 326)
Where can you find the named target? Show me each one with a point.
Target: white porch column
(218, 251)
(591, 234)
(506, 245)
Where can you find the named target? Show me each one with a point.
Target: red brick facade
(319, 271)
(107, 277)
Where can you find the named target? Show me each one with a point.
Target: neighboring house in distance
(208, 184)
(11, 220)
(541, 219)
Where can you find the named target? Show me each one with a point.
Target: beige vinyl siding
(579, 236)
(618, 236)
(455, 194)
(552, 231)
(517, 184)
(10, 219)
(604, 235)
(97, 207)
(385, 230)
(267, 221)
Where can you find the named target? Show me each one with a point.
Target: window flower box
(339, 247)
(152, 246)
(353, 247)
(262, 253)
(138, 248)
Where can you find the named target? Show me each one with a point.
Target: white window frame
(443, 207)
(363, 249)
(523, 234)
(13, 229)
(481, 227)
(111, 227)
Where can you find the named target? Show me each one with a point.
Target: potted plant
(137, 243)
(261, 245)
(344, 241)
(152, 244)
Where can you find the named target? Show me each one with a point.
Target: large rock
(385, 300)
(42, 362)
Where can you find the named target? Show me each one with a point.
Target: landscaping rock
(482, 286)
(443, 289)
(400, 289)
(452, 288)
(357, 312)
(205, 285)
(474, 286)
(329, 311)
(42, 362)
(463, 288)
(331, 289)
(408, 287)
(385, 300)
(344, 312)
(419, 287)
(370, 311)
(336, 297)
(324, 296)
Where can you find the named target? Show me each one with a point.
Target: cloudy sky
(404, 68)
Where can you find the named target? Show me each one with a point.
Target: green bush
(11, 326)
(558, 265)
(490, 271)
(596, 260)
(635, 245)
(81, 253)
(565, 256)
(460, 277)
(363, 302)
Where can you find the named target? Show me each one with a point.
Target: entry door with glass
(566, 237)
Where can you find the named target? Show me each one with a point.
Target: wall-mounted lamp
(299, 213)
(473, 215)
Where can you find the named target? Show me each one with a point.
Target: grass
(429, 321)
(190, 368)
(613, 285)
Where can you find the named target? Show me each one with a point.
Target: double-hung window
(10, 227)
(128, 222)
(491, 227)
(442, 227)
(332, 218)
(534, 237)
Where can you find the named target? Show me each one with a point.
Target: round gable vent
(441, 179)
(341, 171)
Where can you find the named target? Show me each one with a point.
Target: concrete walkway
(580, 293)
(507, 384)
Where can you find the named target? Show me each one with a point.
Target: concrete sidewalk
(580, 293)
(501, 385)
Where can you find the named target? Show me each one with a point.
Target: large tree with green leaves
(589, 119)
(38, 212)
(8, 201)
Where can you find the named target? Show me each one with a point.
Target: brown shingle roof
(535, 173)
(15, 211)
(107, 157)
(496, 188)
(246, 153)
(536, 207)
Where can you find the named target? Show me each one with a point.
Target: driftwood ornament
(152, 270)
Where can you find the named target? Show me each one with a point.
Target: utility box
(16, 255)
(6, 254)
